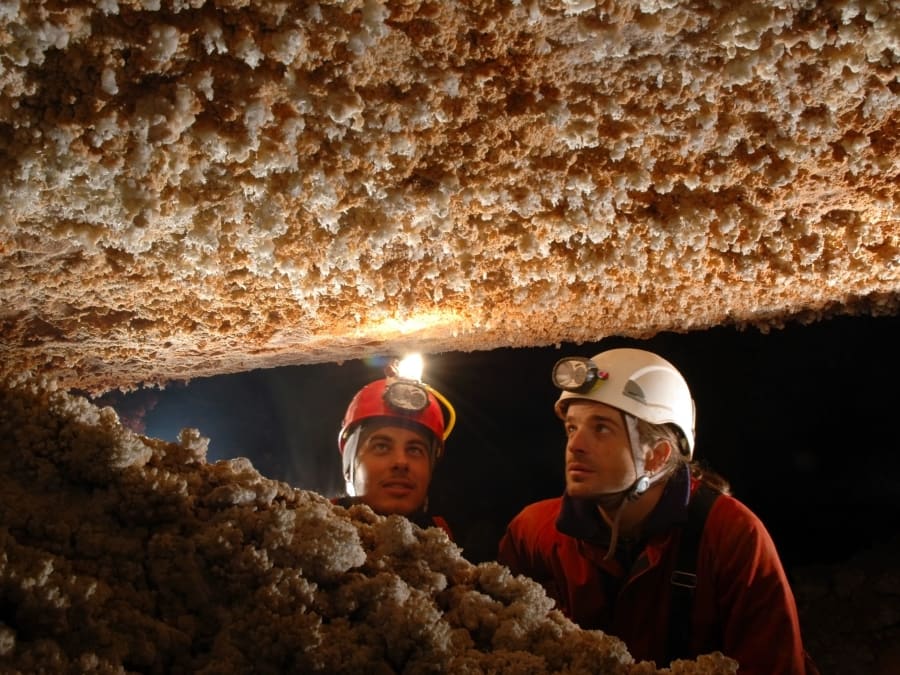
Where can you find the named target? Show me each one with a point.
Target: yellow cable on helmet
(451, 421)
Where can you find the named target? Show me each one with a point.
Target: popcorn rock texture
(121, 553)
(190, 188)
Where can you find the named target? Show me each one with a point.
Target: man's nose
(400, 459)
(575, 442)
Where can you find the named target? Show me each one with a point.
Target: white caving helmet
(636, 382)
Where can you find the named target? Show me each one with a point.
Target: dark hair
(650, 434)
(709, 477)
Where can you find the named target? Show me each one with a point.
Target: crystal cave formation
(191, 188)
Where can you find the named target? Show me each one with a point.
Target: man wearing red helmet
(390, 440)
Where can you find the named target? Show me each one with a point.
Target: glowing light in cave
(409, 325)
(410, 367)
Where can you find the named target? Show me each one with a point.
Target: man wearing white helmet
(643, 544)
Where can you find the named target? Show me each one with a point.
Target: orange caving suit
(743, 605)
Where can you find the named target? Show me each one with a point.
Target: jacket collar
(579, 517)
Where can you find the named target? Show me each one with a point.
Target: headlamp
(406, 396)
(576, 374)
(406, 393)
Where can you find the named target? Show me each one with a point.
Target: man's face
(598, 450)
(393, 469)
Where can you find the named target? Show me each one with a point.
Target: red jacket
(743, 605)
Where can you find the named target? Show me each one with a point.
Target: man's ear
(657, 456)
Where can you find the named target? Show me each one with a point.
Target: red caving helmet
(372, 401)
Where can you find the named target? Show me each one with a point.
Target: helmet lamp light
(576, 374)
(410, 367)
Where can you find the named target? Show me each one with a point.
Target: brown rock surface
(190, 188)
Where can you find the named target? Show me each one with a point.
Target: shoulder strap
(441, 523)
(684, 577)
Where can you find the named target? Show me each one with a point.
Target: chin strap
(633, 493)
(348, 461)
(614, 528)
(638, 488)
(643, 481)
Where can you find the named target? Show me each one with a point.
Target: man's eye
(379, 446)
(417, 450)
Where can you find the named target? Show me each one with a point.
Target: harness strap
(684, 577)
(443, 524)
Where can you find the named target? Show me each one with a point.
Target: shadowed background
(801, 421)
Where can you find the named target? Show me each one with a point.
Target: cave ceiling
(193, 188)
